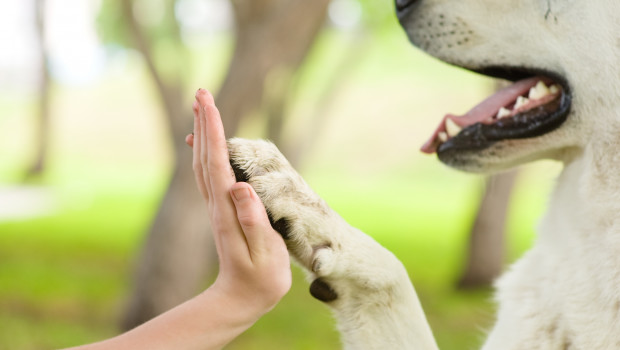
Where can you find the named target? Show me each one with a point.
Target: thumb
(252, 215)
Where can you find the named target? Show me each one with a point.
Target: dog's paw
(294, 210)
(341, 260)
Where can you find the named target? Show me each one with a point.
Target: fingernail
(241, 193)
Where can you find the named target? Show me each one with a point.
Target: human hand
(254, 263)
(254, 272)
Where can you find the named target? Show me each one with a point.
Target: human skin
(254, 264)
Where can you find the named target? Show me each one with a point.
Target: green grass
(66, 277)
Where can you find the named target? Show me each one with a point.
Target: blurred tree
(486, 243)
(41, 135)
(347, 65)
(272, 39)
(271, 36)
(360, 22)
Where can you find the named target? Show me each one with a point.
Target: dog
(563, 57)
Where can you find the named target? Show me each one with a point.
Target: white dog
(564, 57)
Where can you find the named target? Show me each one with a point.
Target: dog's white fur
(565, 292)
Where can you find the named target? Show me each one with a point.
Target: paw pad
(240, 175)
(322, 291)
(282, 226)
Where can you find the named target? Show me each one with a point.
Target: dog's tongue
(483, 112)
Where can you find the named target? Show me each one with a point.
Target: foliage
(111, 25)
(377, 15)
(156, 16)
(150, 27)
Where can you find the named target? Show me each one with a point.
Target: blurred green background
(69, 237)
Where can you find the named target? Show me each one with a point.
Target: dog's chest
(565, 291)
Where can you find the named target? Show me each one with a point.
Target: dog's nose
(403, 4)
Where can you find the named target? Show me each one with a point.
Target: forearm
(208, 321)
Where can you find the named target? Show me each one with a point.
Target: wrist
(237, 310)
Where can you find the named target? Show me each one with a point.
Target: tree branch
(169, 91)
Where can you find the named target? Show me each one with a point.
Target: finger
(196, 163)
(204, 151)
(220, 171)
(189, 140)
(253, 219)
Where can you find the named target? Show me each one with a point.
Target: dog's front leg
(364, 284)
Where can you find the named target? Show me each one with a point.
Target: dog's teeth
(521, 101)
(554, 89)
(443, 136)
(451, 128)
(539, 91)
(502, 113)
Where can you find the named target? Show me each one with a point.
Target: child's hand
(254, 263)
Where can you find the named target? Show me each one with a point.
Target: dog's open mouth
(528, 108)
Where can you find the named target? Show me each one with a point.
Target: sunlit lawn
(64, 277)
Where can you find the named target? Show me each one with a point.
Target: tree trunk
(178, 250)
(41, 135)
(277, 92)
(486, 245)
(270, 35)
